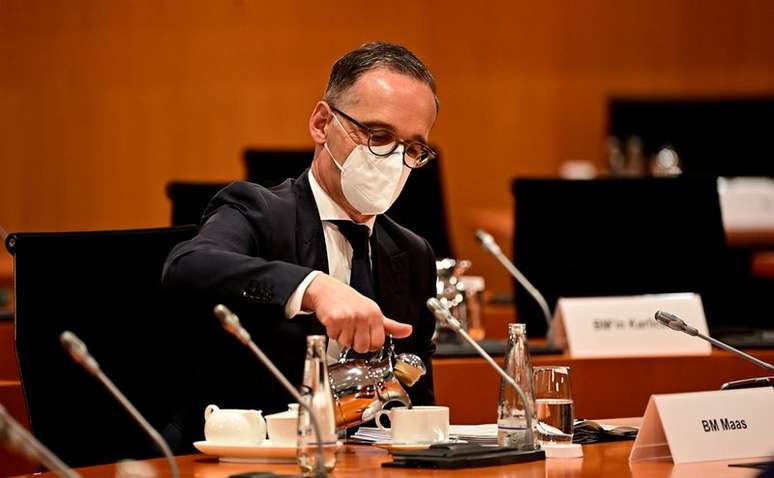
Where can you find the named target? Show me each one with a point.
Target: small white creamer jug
(232, 427)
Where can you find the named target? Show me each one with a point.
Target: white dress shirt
(338, 250)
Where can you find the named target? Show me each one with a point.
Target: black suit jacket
(255, 246)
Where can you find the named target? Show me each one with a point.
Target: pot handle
(378, 419)
(388, 348)
(209, 411)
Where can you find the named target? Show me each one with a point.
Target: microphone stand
(488, 243)
(676, 323)
(443, 314)
(16, 438)
(230, 322)
(80, 355)
(728, 348)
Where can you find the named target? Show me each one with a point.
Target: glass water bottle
(316, 392)
(511, 415)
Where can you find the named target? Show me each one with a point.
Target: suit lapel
(310, 241)
(391, 274)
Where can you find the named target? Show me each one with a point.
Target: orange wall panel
(102, 103)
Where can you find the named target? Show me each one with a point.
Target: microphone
(80, 355)
(230, 322)
(487, 242)
(442, 313)
(676, 323)
(14, 437)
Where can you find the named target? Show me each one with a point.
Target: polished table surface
(763, 264)
(601, 387)
(599, 460)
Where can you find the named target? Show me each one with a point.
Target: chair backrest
(190, 199)
(712, 136)
(269, 167)
(618, 237)
(106, 288)
(421, 207)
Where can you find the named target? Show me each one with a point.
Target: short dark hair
(370, 56)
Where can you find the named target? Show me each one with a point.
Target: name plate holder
(707, 426)
(589, 327)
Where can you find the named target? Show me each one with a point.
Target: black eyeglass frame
(431, 154)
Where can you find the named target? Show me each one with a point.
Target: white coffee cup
(416, 425)
(233, 427)
(283, 426)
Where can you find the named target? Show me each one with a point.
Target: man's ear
(317, 122)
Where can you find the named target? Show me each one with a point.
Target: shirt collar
(327, 207)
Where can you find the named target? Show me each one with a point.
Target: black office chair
(421, 207)
(189, 199)
(105, 287)
(618, 237)
(269, 167)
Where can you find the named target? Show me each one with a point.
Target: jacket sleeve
(226, 262)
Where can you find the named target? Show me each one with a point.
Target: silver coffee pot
(450, 290)
(363, 387)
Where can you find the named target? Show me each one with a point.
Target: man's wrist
(309, 300)
(295, 304)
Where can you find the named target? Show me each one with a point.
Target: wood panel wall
(103, 102)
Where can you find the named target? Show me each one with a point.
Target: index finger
(398, 330)
(377, 336)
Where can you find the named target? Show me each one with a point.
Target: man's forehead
(383, 96)
(382, 84)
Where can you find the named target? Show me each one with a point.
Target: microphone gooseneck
(16, 439)
(230, 322)
(487, 242)
(442, 313)
(80, 355)
(78, 351)
(676, 323)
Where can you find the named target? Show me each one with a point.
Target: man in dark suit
(315, 255)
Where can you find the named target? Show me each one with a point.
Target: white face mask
(371, 183)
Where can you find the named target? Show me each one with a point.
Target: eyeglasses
(383, 142)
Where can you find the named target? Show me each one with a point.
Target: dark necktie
(360, 278)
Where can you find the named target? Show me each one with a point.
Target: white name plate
(624, 326)
(706, 426)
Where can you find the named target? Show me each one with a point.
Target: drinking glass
(553, 401)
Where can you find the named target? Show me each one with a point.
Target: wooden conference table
(601, 387)
(355, 461)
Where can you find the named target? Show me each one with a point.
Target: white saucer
(266, 452)
(263, 453)
(390, 446)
